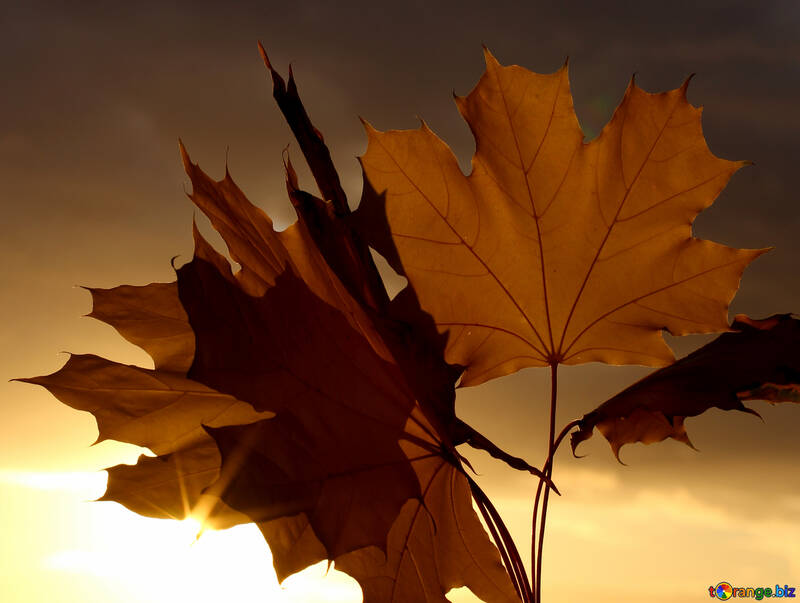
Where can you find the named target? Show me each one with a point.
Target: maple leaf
(759, 360)
(293, 393)
(348, 467)
(158, 409)
(553, 250)
(333, 448)
(348, 455)
(163, 411)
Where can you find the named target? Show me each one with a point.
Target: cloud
(617, 538)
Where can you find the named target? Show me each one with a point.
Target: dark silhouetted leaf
(760, 359)
(350, 449)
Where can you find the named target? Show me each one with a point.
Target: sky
(94, 99)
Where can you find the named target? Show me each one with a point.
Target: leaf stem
(505, 543)
(510, 569)
(537, 545)
(547, 467)
(533, 533)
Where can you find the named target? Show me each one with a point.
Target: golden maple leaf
(554, 250)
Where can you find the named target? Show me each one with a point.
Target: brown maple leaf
(553, 250)
(159, 409)
(348, 457)
(183, 480)
(346, 466)
(333, 448)
(758, 360)
(168, 413)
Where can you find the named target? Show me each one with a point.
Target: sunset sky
(94, 100)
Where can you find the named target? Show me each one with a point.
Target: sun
(101, 551)
(145, 560)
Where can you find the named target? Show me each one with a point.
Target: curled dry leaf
(759, 359)
(553, 250)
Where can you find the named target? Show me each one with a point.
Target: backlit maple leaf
(554, 250)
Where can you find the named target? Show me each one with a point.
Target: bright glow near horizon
(162, 561)
(66, 550)
(140, 559)
(137, 559)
